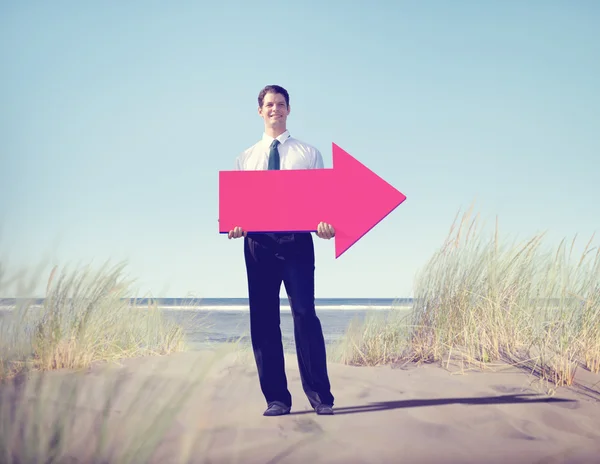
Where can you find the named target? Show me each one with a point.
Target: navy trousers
(273, 259)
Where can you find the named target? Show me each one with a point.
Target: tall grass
(480, 300)
(104, 414)
(374, 341)
(86, 316)
(109, 415)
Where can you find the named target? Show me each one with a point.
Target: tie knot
(275, 143)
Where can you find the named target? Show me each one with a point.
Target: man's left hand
(325, 231)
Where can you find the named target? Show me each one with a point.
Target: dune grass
(107, 415)
(49, 374)
(478, 301)
(86, 316)
(376, 340)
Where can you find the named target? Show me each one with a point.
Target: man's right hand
(237, 232)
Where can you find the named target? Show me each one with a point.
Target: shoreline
(245, 309)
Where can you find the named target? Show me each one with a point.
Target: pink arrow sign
(350, 197)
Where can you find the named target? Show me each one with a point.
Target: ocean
(209, 321)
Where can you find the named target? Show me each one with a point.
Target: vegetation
(85, 317)
(109, 415)
(376, 340)
(48, 416)
(479, 301)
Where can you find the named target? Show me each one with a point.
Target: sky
(116, 118)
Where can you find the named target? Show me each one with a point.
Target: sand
(415, 414)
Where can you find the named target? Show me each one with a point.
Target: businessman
(275, 258)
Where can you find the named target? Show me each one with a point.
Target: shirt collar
(282, 138)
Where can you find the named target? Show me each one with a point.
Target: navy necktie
(274, 156)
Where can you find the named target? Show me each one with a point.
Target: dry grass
(47, 414)
(107, 415)
(374, 341)
(86, 316)
(479, 300)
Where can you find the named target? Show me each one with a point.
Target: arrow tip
(363, 200)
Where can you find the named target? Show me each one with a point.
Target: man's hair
(273, 89)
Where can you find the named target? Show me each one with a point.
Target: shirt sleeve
(318, 161)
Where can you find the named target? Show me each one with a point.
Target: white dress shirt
(293, 154)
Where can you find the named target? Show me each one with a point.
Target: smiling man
(288, 258)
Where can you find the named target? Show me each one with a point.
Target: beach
(419, 176)
(477, 369)
(206, 407)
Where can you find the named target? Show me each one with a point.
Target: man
(273, 258)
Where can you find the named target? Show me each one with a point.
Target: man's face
(274, 110)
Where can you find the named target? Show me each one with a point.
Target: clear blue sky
(117, 117)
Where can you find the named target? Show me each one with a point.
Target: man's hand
(237, 232)
(325, 231)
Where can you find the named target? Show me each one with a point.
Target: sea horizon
(237, 303)
(226, 319)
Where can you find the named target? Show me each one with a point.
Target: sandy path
(383, 415)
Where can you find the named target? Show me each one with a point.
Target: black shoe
(324, 410)
(277, 408)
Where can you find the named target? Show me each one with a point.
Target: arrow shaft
(274, 201)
